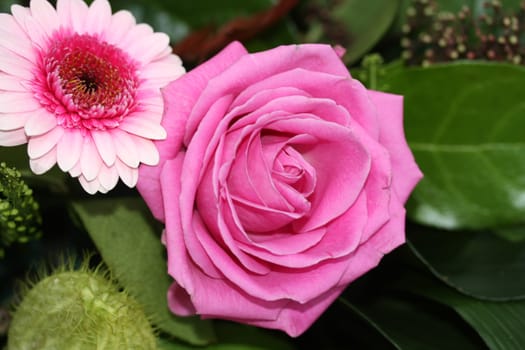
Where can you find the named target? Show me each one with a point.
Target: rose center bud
(270, 192)
(290, 168)
(94, 83)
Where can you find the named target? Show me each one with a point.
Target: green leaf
(500, 324)
(125, 235)
(366, 21)
(480, 264)
(282, 33)
(337, 328)
(178, 18)
(512, 233)
(464, 122)
(413, 323)
(5, 6)
(357, 25)
(231, 336)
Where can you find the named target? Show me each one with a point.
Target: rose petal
(406, 173)
(181, 95)
(340, 238)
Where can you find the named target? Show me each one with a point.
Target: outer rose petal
(406, 173)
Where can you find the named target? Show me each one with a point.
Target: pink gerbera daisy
(82, 87)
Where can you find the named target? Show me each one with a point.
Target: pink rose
(282, 180)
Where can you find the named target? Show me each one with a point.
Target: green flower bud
(81, 310)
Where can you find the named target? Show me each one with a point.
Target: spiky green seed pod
(20, 218)
(83, 310)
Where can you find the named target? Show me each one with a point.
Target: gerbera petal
(69, 149)
(10, 83)
(77, 15)
(13, 137)
(44, 13)
(14, 102)
(148, 153)
(141, 126)
(146, 50)
(13, 121)
(44, 163)
(108, 177)
(13, 38)
(13, 64)
(98, 17)
(75, 171)
(139, 32)
(128, 175)
(40, 145)
(126, 149)
(90, 187)
(31, 27)
(90, 161)
(159, 69)
(19, 14)
(121, 23)
(105, 146)
(64, 12)
(40, 122)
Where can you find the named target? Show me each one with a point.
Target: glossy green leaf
(481, 264)
(413, 323)
(500, 324)
(464, 122)
(357, 16)
(126, 237)
(357, 25)
(231, 336)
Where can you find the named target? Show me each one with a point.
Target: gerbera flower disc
(81, 86)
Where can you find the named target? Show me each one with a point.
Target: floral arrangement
(256, 175)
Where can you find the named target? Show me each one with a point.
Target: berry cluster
(430, 36)
(20, 218)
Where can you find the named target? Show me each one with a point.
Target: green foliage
(460, 281)
(231, 336)
(179, 18)
(499, 324)
(464, 123)
(20, 218)
(480, 264)
(409, 323)
(347, 23)
(129, 242)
